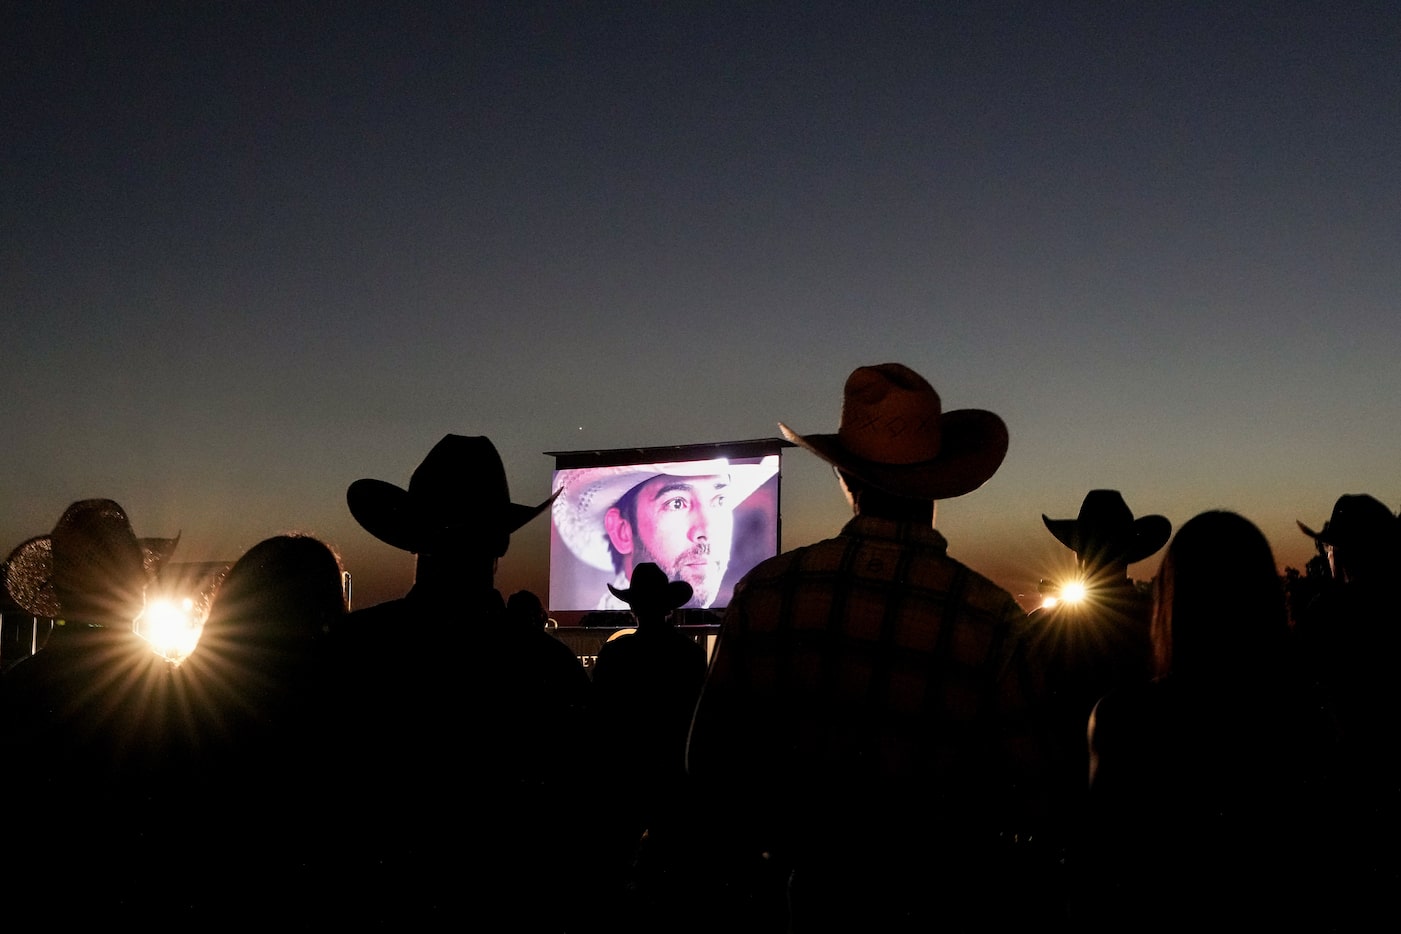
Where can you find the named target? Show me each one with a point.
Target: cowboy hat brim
(673, 595)
(29, 569)
(972, 446)
(391, 515)
(29, 578)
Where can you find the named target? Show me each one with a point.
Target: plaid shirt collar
(902, 533)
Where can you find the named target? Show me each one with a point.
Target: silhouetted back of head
(525, 607)
(1362, 539)
(869, 500)
(280, 597)
(1220, 607)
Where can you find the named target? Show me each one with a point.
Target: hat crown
(1358, 518)
(1104, 515)
(651, 589)
(890, 415)
(461, 478)
(648, 578)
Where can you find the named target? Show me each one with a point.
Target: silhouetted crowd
(881, 740)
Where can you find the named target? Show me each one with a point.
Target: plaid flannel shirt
(873, 660)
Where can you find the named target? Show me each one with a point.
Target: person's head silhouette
(897, 452)
(91, 568)
(1362, 538)
(1105, 536)
(457, 509)
(652, 596)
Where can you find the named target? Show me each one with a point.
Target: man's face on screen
(685, 525)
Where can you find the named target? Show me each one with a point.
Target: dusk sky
(252, 252)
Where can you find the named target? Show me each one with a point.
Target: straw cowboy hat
(651, 590)
(458, 494)
(1106, 528)
(1358, 519)
(585, 495)
(895, 436)
(91, 567)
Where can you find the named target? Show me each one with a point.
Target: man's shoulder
(828, 560)
(792, 561)
(991, 591)
(828, 549)
(371, 621)
(562, 658)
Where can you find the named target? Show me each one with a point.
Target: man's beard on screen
(704, 578)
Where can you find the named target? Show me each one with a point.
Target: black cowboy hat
(1106, 528)
(651, 590)
(895, 435)
(1358, 519)
(459, 493)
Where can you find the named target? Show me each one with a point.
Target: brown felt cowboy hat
(651, 590)
(458, 494)
(1106, 529)
(895, 435)
(91, 568)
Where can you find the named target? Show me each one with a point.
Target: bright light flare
(171, 626)
(1073, 592)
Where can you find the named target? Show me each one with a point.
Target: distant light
(1073, 592)
(1048, 602)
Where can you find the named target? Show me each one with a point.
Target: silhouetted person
(269, 621)
(255, 692)
(82, 721)
(467, 725)
(1351, 637)
(1088, 644)
(1207, 783)
(1362, 544)
(645, 687)
(859, 723)
(525, 607)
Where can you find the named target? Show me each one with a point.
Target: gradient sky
(250, 253)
